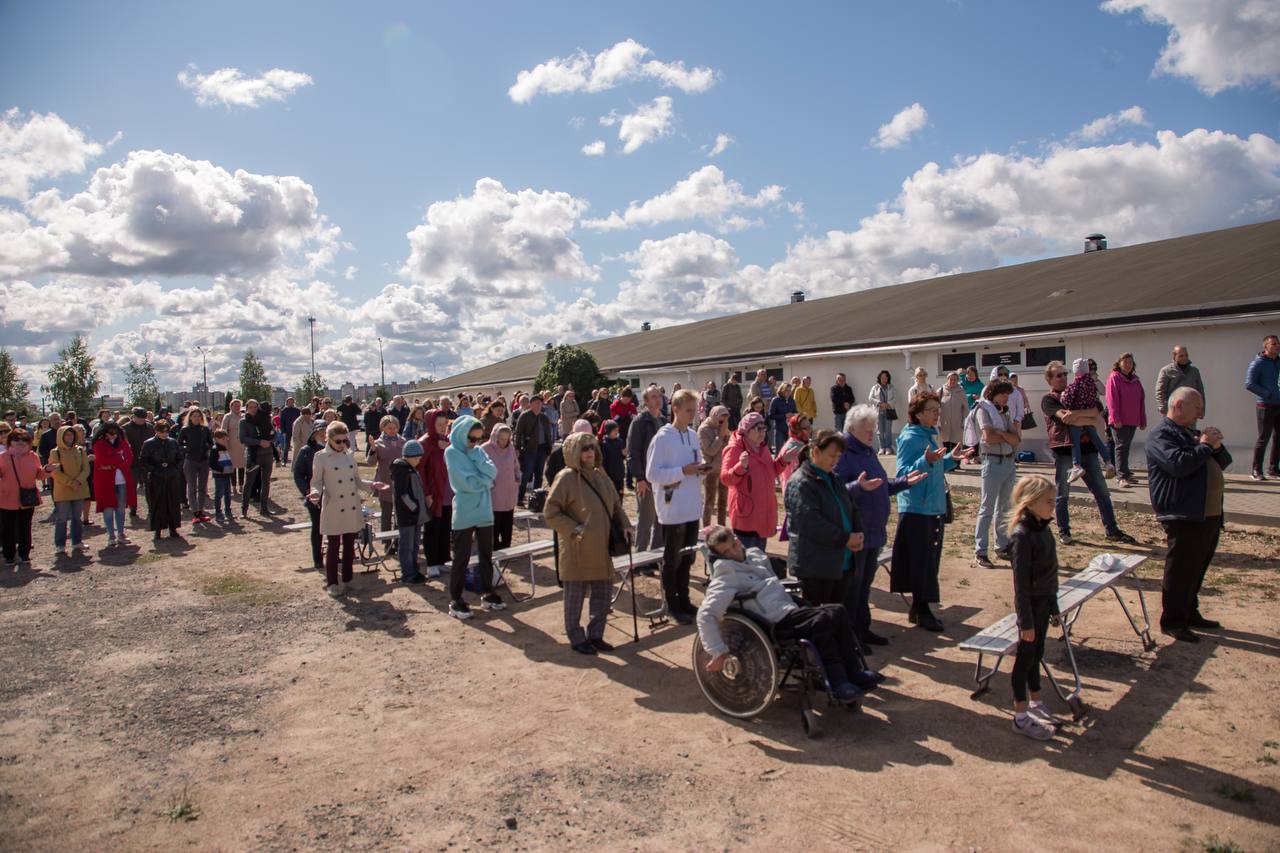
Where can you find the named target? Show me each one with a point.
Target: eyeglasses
(760, 427)
(475, 439)
(340, 442)
(932, 409)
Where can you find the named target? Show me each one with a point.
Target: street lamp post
(312, 322)
(204, 370)
(382, 364)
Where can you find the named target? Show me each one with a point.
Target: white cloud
(164, 214)
(723, 140)
(649, 122)
(350, 273)
(705, 194)
(909, 121)
(1217, 43)
(594, 149)
(1100, 128)
(227, 86)
(622, 63)
(39, 147)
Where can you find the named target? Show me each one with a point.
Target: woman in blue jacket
(781, 407)
(922, 510)
(471, 475)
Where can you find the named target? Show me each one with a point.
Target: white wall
(1222, 351)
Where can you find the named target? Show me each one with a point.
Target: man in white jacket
(675, 470)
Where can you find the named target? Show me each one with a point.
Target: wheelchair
(762, 665)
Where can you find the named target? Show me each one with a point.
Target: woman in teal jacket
(922, 509)
(471, 475)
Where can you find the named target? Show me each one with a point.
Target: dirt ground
(210, 695)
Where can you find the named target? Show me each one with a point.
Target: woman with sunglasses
(471, 476)
(20, 473)
(749, 471)
(335, 487)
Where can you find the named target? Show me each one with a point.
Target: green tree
(382, 392)
(73, 379)
(569, 365)
(253, 380)
(13, 391)
(310, 386)
(140, 386)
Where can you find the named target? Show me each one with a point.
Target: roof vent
(797, 296)
(1095, 243)
(645, 327)
(548, 344)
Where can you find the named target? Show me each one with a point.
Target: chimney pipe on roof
(797, 296)
(548, 344)
(1095, 243)
(645, 327)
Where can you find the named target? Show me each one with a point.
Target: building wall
(1221, 350)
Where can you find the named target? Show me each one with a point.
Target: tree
(73, 379)
(569, 365)
(13, 391)
(140, 386)
(310, 386)
(253, 380)
(382, 393)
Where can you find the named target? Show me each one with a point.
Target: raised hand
(869, 485)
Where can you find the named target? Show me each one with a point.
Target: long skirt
(164, 503)
(917, 556)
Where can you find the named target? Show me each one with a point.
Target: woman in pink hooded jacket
(749, 470)
(502, 453)
(1126, 410)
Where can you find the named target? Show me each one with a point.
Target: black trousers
(483, 537)
(1026, 665)
(676, 561)
(1191, 546)
(1268, 431)
(15, 533)
(317, 549)
(503, 522)
(828, 627)
(435, 541)
(826, 590)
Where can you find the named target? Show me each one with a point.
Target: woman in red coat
(113, 488)
(750, 472)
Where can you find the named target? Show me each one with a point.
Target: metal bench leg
(533, 580)
(1072, 699)
(984, 679)
(1143, 632)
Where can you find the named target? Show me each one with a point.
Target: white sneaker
(80, 547)
(459, 610)
(433, 571)
(492, 602)
(1076, 473)
(122, 539)
(1041, 713)
(333, 590)
(1032, 728)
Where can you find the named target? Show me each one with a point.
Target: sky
(468, 182)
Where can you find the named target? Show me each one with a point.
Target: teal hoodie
(471, 474)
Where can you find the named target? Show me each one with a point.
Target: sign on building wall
(996, 359)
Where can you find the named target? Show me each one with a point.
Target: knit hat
(582, 425)
(1080, 366)
(412, 448)
(604, 429)
(749, 422)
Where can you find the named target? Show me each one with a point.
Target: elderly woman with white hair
(870, 487)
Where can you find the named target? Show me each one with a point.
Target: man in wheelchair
(745, 575)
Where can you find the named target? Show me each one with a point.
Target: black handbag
(537, 500)
(951, 509)
(891, 414)
(27, 497)
(619, 544)
(1028, 421)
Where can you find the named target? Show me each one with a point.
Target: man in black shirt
(841, 399)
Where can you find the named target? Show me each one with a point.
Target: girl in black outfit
(162, 458)
(302, 462)
(1035, 597)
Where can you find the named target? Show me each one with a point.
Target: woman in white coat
(335, 488)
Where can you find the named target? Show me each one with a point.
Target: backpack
(972, 432)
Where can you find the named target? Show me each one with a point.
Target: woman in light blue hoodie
(471, 475)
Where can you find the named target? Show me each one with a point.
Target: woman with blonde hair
(335, 488)
(1035, 598)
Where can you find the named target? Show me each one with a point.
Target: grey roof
(1202, 275)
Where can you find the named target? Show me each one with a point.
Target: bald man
(1185, 470)
(1179, 373)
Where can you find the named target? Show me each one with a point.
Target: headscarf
(995, 372)
(749, 421)
(793, 427)
(581, 425)
(717, 412)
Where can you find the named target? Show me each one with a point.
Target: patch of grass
(964, 581)
(1229, 791)
(149, 557)
(1266, 758)
(181, 808)
(240, 588)
(1214, 844)
(1271, 744)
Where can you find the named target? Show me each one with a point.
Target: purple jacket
(873, 506)
(1126, 401)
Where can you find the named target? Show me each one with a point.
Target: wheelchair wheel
(749, 680)
(809, 720)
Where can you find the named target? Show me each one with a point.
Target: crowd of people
(450, 472)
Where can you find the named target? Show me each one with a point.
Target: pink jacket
(753, 503)
(26, 465)
(1126, 401)
(507, 461)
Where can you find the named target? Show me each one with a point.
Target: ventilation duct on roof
(797, 296)
(1095, 243)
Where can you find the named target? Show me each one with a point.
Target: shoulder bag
(28, 498)
(618, 543)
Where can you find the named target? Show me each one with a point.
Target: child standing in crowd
(388, 447)
(162, 458)
(506, 487)
(435, 481)
(410, 502)
(1082, 395)
(1035, 599)
(222, 466)
(471, 475)
(302, 468)
(113, 480)
(613, 451)
(69, 465)
(20, 473)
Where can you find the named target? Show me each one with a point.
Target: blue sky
(407, 105)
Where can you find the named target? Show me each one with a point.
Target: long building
(1217, 293)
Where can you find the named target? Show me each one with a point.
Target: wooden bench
(1102, 573)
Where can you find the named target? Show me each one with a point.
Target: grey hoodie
(732, 579)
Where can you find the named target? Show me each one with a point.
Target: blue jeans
(1075, 433)
(884, 431)
(531, 464)
(998, 476)
(222, 495)
(1096, 484)
(113, 518)
(63, 512)
(407, 551)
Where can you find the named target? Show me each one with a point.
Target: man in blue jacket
(1185, 470)
(1263, 381)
